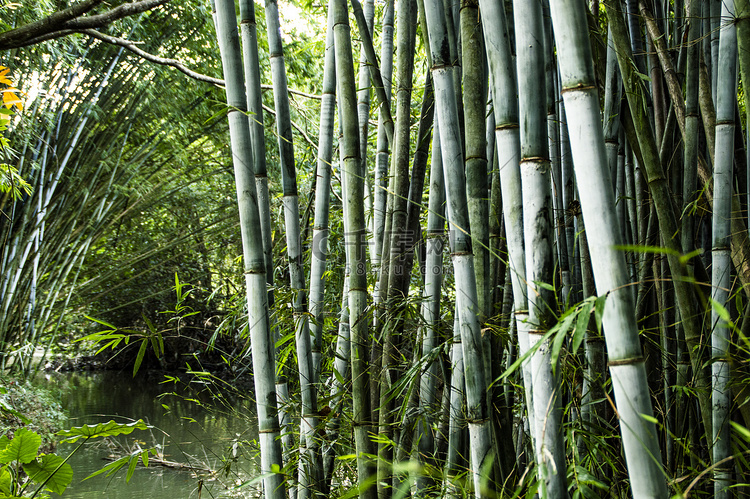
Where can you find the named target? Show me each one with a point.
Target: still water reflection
(187, 432)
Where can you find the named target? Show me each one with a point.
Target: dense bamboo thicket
(529, 262)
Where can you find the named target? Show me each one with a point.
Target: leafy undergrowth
(23, 405)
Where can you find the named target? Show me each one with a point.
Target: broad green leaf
(4, 442)
(108, 429)
(22, 448)
(5, 480)
(689, 256)
(50, 468)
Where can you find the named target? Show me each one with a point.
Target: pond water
(186, 430)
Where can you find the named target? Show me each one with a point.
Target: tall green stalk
(538, 237)
(690, 314)
(460, 238)
(253, 255)
(249, 34)
(393, 294)
(319, 254)
(626, 361)
(355, 231)
(310, 462)
(433, 280)
(507, 139)
(381, 158)
(721, 266)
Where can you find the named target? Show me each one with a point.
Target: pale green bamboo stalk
(507, 139)
(355, 230)
(394, 294)
(433, 279)
(742, 14)
(721, 266)
(716, 23)
(253, 256)
(363, 112)
(381, 158)
(453, 169)
(568, 203)
(249, 35)
(690, 314)
(311, 466)
(338, 387)
(538, 236)
(611, 113)
(597, 200)
(455, 457)
(319, 253)
(375, 74)
(474, 105)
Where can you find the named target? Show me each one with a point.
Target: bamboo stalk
(597, 201)
(253, 256)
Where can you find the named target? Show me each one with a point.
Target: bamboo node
(578, 86)
(507, 126)
(626, 362)
(477, 421)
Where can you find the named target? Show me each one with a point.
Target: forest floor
(23, 405)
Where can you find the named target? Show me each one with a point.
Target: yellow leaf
(10, 99)
(4, 71)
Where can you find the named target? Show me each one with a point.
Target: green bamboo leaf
(111, 468)
(544, 285)
(637, 248)
(99, 321)
(141, 354)
(51, 469)
(689, 256)
(131, 467)
(744, 432)
(23, 448)
(582, 323)
(528, 353)
(720, 310)
(108, 429)
(560, 339)
(599, 311)
(650, 419)
(149, 324)
(144, 458)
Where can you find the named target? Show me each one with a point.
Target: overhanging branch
(61, 23)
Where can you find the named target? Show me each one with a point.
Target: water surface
(185, 429)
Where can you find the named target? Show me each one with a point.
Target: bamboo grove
(589, 263)
(545, 281)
